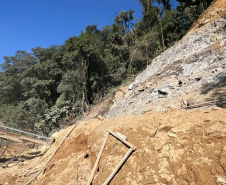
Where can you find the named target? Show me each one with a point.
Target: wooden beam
(32, 167)
(34, 177)
(122, 140)
(131, 149)
(108, 180)
(97, 161)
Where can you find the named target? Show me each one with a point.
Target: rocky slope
(190, 72)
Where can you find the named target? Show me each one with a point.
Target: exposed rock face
(190, 72)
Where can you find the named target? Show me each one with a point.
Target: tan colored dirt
(188, 148)
(214, 12)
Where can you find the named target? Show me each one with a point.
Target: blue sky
(27, 24)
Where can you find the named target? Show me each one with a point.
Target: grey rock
(194, 65)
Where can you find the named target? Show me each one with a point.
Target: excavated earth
(173, 145)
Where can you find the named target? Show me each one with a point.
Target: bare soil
(175, 147)
(214, 12)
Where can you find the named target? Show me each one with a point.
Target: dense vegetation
(39, 89)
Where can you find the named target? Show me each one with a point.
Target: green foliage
(38, 90)
(147, 4)
(123, 20)
(189, 11)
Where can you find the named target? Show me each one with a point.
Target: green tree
(147, 4)
(124, 20)
(189, 11)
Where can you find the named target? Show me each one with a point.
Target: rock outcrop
(192, 71)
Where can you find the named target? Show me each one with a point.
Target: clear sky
(27, 24)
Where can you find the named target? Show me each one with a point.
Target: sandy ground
(189, 147)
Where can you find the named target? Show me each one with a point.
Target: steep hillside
(173, 145)
(191, 72)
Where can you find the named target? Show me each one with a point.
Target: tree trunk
(146, 52)
(84, 88)
(163, 40)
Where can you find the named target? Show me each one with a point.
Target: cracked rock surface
(190, 72)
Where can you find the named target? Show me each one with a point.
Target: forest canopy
(39, 89)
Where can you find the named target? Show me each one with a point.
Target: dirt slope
(174, 146)
(189, 147)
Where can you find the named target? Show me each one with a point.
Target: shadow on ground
(217, 90)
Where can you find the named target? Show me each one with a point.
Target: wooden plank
(32, 167)
(108, 180)
(122, 140)
(34, 177)
(97, 161)
(131, 149)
